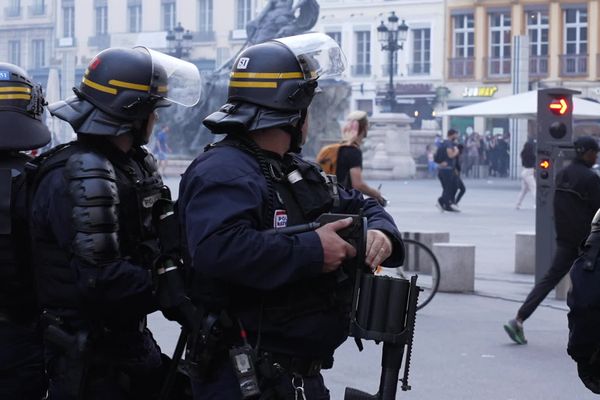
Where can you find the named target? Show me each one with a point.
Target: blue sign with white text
(4, 75)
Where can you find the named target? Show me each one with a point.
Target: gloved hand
(589, 375)
(171, 296)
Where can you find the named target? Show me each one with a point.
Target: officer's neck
(122, 142)
(275, 140)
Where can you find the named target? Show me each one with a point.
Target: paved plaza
(461, 351)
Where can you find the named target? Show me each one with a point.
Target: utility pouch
(73, 363)
(310, 189)
(242, 360)
(203, 348)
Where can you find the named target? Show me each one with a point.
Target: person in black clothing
(21, 128)
(100, 265)
(349, 161)
(459, 186)
(446, 171)
(274, 296)
(576, 200)
(527, 175)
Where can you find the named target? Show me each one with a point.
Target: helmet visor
(174, 80)
(318, 54)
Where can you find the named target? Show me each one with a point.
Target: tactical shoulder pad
(93, 189)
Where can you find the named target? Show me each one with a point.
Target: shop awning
(522, 105)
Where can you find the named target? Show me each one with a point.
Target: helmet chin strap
(296, 132)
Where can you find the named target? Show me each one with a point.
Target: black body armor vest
(138, 185)
(17, 295)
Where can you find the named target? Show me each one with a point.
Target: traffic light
(555, 116)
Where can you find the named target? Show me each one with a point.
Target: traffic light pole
(554, 152)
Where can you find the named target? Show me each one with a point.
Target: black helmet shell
(21, 110)
(270, 75)
(124, 83)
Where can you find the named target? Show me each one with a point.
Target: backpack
(327, 158)
(440, 154)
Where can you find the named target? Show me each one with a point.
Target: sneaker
(514, 329)
(452, 208)
(439, 206)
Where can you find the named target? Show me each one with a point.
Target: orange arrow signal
(559, 106)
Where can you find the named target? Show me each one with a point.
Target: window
(574, 59)
(464, 36)
(205, 22)
(101, 20)
(135, 18)
(38, 53)
(169, 16)
(38, 7)
(363, 53)
(14, 8)
(575, 31)
(499, 44)
(421, 51)
(337, 36)
(68, 21)
(244, 13)
(537, 29)
(14, 52)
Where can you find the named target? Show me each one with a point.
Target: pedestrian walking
(527, 174)
(445, 157)
(459, 189)
(576, 199)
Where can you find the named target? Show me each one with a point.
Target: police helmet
(585, 143)
(21, 109)
(273, 83)
(121, 87)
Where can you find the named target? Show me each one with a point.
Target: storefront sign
(481, 91)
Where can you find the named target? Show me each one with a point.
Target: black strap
(5, 200)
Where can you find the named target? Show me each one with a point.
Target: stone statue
(281, 18)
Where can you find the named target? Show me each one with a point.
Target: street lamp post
(179, 41)
(392, 37)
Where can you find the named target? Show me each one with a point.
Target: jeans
(527, 185)
(446, 176)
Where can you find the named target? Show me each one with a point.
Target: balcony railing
(461, 68)
(99, 41)
(423, 68)
(361, 69)
(538, 66)
(12, 12)
(385, 69)
(204, 36)
(498, 67)
(37, 10)
(573, 64)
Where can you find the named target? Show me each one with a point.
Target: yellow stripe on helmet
(98, 86)
(253, 84)
(267, 75)
(15, 97)
(129, 85)
(20, 89)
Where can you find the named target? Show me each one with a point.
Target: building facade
(418, 67)
(563, 51)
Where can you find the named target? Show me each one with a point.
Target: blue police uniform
(272, 283)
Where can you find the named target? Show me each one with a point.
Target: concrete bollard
(457, 266)
(525, 252)
(415, 259)
(563, 287)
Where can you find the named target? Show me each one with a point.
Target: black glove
(170, 293)
(589, 375)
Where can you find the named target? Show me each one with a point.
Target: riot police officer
(275, 308)
(92, 227)
(21, 128)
